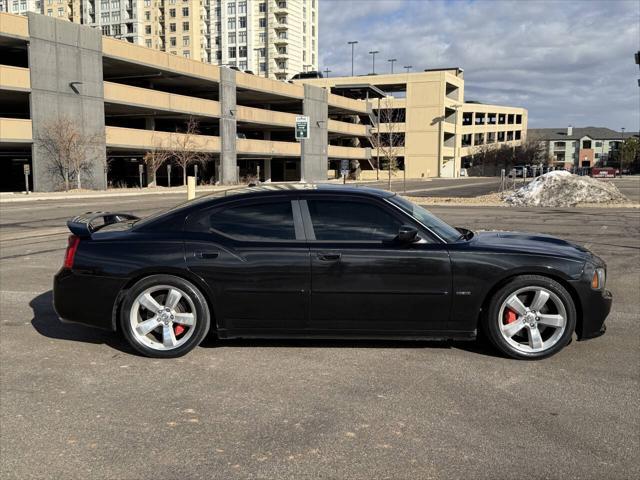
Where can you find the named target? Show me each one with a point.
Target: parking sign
(302, 127)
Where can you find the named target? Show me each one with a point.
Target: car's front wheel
(164, 316)
(531, 317)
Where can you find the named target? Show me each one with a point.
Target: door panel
(380, 288)
(254, 258)
(364, 279)
(255, 287)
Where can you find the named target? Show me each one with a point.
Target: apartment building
(271, 38)
(136, 99)
(581, 147)
(425, 112)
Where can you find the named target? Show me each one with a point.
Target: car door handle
(207, 255)
(329, 257)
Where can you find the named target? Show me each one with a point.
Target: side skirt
(347, 335)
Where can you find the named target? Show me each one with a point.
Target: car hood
(532, 243)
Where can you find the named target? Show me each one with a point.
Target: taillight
(72, 246)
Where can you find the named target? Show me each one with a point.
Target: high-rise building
(271, 38)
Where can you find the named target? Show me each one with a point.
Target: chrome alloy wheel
(532, 319)
(163, 317)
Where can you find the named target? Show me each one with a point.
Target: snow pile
(560, 188)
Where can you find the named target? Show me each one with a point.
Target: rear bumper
(86, 299)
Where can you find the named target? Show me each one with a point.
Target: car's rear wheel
(164, 316)
(531, 317)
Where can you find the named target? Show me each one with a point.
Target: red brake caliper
(179, 329)
(510, 316)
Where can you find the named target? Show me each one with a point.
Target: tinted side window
(266, 221)
(356, 221)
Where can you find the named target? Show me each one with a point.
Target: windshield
(425, 217)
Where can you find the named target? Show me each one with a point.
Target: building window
(115, 16)
(147, 16)
(172, 12)
(262, 37)
(242, 51)
(242, 36)
(185, 26)
(231, 24)
(232, 37)
(217, 12)
(598, 144)
(147, 29)
(147, 42)
(185, 11)
(172, 27)
(231, 9)
(304, 55)
(50, 13)
(262, 52)
(262, 23)
(282, 35)
(117, 29)
(106, 30)
(282, 3)
(172, 41)
(147, 3)
(243, 22)
(242, 7)
(262, 7)
(282, 64)
(218, 54)
(263, 67)
(243, 65)
(185, 41)
(232, 52)
(218, 27)
(115, 4)
(186, 54)
(105, 17)
(217, 41)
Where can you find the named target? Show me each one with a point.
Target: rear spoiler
(85, 225)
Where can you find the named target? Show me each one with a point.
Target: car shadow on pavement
(46, 323)
(481, 347)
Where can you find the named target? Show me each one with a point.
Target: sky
(568, 62)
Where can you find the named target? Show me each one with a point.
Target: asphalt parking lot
(77, 403)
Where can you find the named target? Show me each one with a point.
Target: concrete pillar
(65, 62)
(228, 130)
(314, 158)
(267, 169)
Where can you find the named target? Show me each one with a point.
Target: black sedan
(321, 261)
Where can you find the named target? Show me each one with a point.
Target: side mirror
(407, 234)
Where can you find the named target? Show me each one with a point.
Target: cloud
(565, 61)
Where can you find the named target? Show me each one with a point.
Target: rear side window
(254, 222)
(351, 221)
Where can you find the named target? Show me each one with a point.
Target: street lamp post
(353, 44)
(622, 151)
(373, 54)
(327, 72)
(408, 68)
(392, 61)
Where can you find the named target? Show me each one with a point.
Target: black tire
(200, 329)
(491, 321)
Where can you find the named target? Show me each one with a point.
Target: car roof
(269, 189)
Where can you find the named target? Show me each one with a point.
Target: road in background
(77, 403)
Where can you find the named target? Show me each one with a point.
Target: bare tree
(158, 154)
(70, 151)
(184, 151)
(389, 140)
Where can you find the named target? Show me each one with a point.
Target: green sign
(302, 127)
